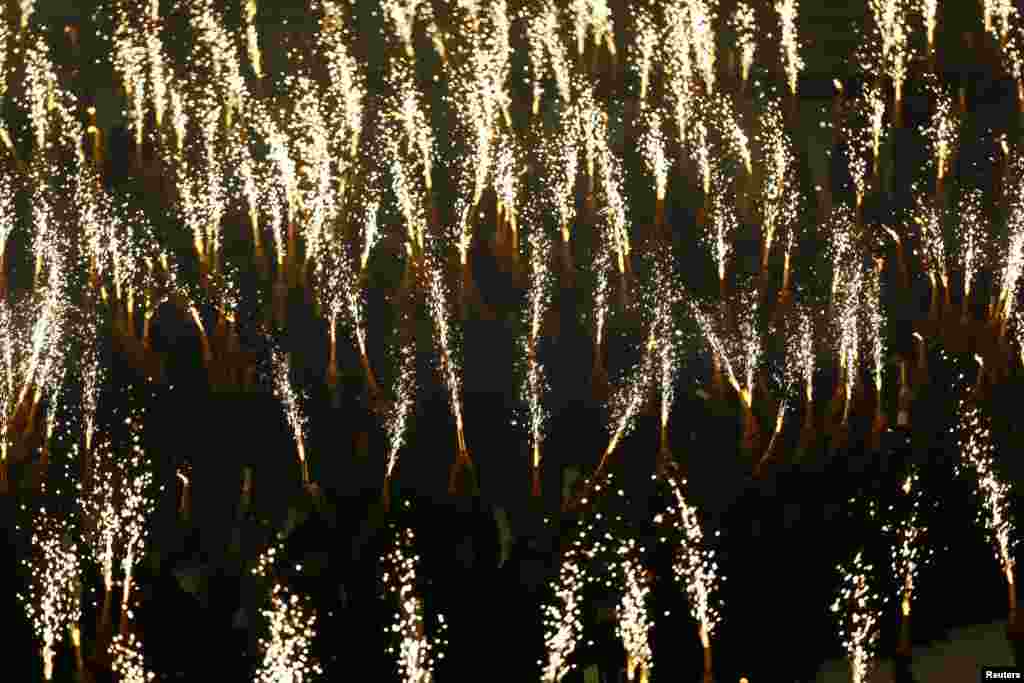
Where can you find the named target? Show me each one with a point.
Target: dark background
(781, 535)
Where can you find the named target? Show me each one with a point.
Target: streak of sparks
(52, 601)
(647, 39)
(780, 196)
(908, 553)
(538, 298)
(405, 394)
(652, 146)
(547, 47)
(745, 25)
(445, 341)
(891, 22)
(977, 453)
(634, 625)
(291, 402)
(857, 607)
(694, 565)
(287, 652)
(794, 63)
(127, 659)
(417, 653)
(971, 233)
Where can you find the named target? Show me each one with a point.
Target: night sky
(781, 532)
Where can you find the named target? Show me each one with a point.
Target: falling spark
(977, 452)
(1014, 260)
(634, 625)
(745, 25)
(972, 231)
(874, 323)
(405, 392)
(652, 146)
(52, 602)
(547, 47)
(291, 402)
(724, 222)
(794, 63)
(928, 219)
(891, 22)
(857, 607)
(694, 565)
(780, 196)
(417, 653)
(563, 619)
(446, 344)
(538, 297)
(287, 652)
(252, 38)
(908, 552)
(930, 11)
(127, 659)
(647, 39)
(803, 355)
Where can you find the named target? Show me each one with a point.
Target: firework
(535, 386)
(291, 401)
(546, 46)
(724, 222)
(447, 348)
(874, 325)
(417, 653)
(943, 130)
(972, 234)
(252, 38)
(908, 552)
(744, 23)
(563, 619)
(790, 43)
(857, 607)
(346, 91)
(977, 453)
(52, 602)
(930, 11)
(127, 659)
(592, 17)
(929, 220)
(891, 24)
(652, 146)
(645, 49)
(780, 196)
(396, 422)
(694, 565)
(678, 64)
(633, 623)
(1014, 260)
(287, 651)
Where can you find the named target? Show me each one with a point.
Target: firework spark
(780, 196)
(291, 401)
(972, 236)
(908, 552)
(857, 607)
(744, 22)
(634, 625)
(794, 63)
(694, 564)
(405, 392)
(287, 651)
(127, 659)
(417, 653)
(52, 602)
(977, 452)
(535, 385)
